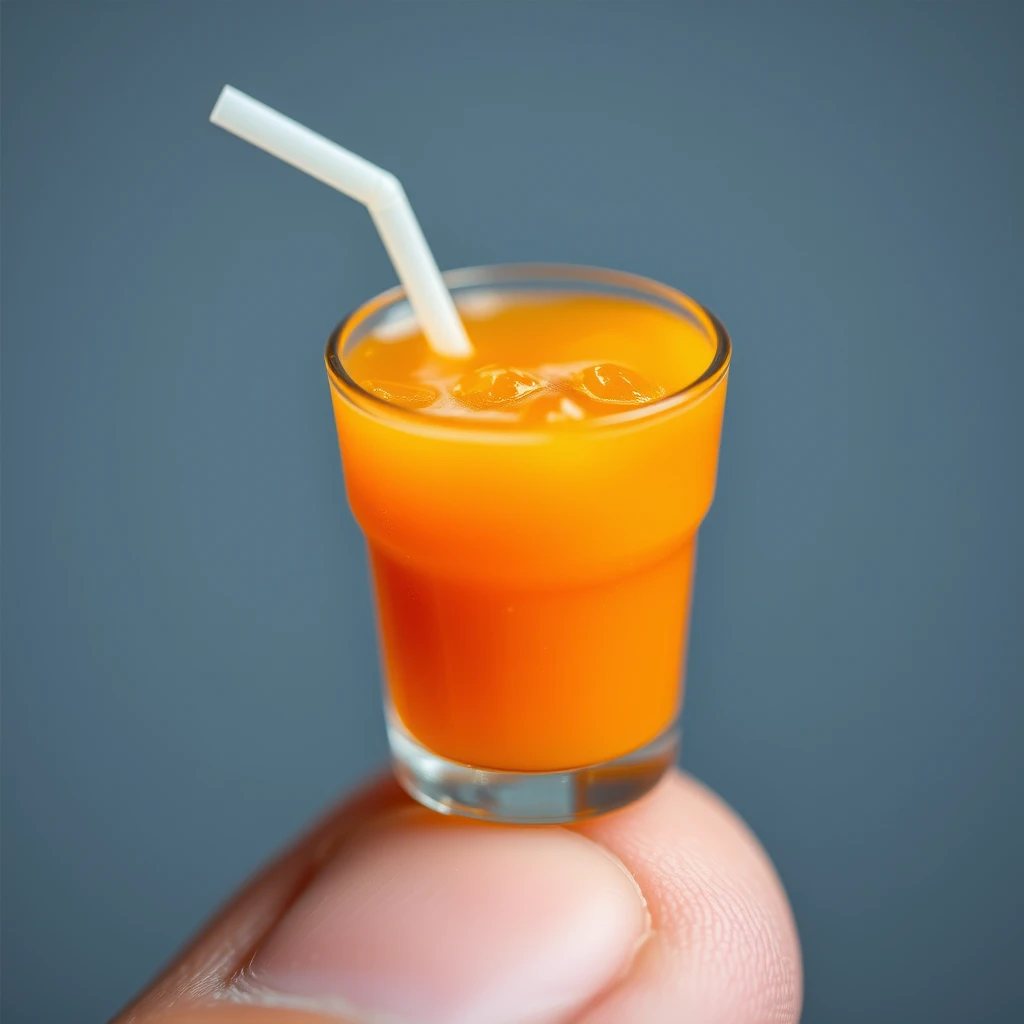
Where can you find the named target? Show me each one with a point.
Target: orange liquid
(531, 515)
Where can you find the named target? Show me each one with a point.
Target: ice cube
(617, 385)
(412, 396)
(492, 386)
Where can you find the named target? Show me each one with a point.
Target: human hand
(391, 914)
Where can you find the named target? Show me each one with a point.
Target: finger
(443, 921)
(419, 918)
(724, 947)
(204, 970)
(437, 920)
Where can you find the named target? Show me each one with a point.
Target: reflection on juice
(531, 515)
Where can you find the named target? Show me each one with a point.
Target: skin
(458, 915)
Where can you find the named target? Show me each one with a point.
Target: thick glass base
(528, 798)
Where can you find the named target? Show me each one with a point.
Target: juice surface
(532, 556)
(537, 362)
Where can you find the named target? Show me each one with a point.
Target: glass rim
(509, 274)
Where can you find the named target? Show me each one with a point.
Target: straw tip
(226, 94)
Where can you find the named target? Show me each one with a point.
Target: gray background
(188, 655)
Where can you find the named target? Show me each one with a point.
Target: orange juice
(531, 512)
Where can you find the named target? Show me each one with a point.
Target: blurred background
(189, 665)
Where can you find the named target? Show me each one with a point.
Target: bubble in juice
(616, 385)
(412, 396)
(492, 386)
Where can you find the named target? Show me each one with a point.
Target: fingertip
(434, 920)
(725, 945)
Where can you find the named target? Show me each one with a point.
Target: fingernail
(432, 921)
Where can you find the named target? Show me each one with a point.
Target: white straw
(378, 189)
